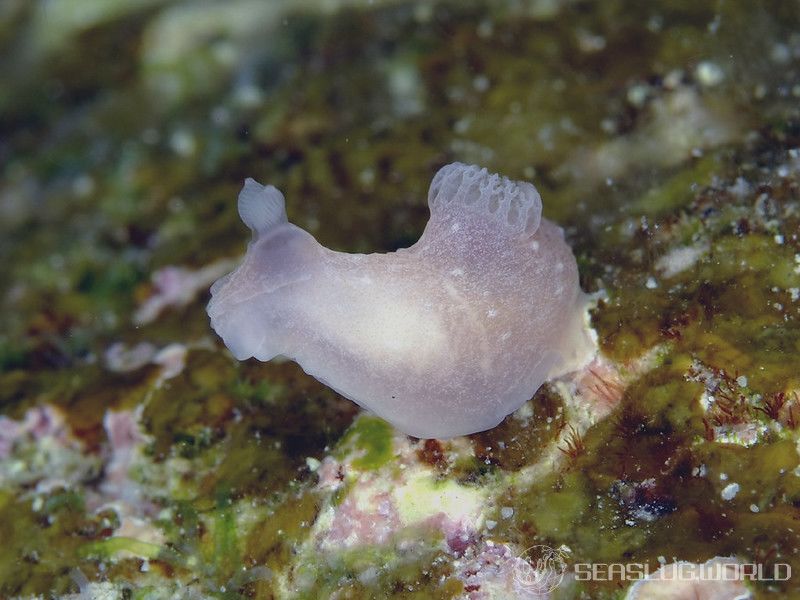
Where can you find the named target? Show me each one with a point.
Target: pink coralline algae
(40, 452)
(39, 422)
(171, 358)
(124, 441)
(497, 571)
(374, 524)
(176, 287)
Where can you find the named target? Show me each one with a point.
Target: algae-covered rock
(138, 459)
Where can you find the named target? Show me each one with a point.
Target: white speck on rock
(681, 258)
(183, 143)
(729, 491)
(709, 74)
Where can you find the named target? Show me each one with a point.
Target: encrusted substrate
(139, 460)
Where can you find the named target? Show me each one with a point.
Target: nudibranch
(444, 338)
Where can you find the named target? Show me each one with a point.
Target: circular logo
(540, 570)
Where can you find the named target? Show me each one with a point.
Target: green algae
(273, 538)
(111, 546)
(511, 444)
(370, 439)
(41, 547)
(675, 193)
(247, 455)
(104, 199)
(421, 571)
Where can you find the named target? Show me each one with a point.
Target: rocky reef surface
(138, 459)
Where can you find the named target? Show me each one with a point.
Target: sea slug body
(444, 338)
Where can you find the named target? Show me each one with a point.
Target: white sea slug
(444, 338)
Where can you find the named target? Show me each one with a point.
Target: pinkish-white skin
(444, 338)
